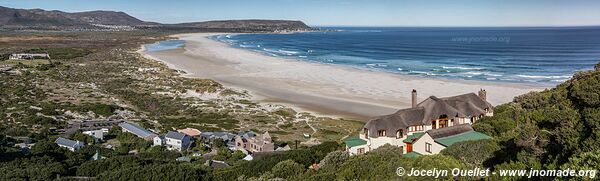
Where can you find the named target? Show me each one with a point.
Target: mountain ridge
(40, 19)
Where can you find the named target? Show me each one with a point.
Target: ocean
(535, 55)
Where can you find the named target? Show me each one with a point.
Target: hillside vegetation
(553, 129)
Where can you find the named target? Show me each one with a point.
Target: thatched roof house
(432, 108)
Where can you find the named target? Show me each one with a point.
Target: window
(381, 133)
(399, 133)
(360, 151)
(428, 147)
(415, 128)
(366, 131)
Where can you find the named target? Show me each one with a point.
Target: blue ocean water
(528, 55)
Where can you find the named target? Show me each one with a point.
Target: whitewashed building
(177, 141)
(137, 130)
(158, 140)
(69, 144)
(97, 134)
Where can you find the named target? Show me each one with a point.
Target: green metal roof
(467, 136)
(354, 141)
(411, 138)
(412, 154)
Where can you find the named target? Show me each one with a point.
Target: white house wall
(354, 150)
(419, 145)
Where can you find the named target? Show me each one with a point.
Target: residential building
(69, 144)
(435, 140)
(400, 128)
(209, 137)
(254, 142)
(28, 56)
(177, 141)
(97, 134)
(137, 130)
(158, 140)
(190, 132)
(283, 148)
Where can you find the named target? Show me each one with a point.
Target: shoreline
(324, 89)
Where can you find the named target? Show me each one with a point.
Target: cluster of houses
(28, 56)
(248, 142)
(425, 128)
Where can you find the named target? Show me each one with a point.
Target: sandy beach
(330, 90)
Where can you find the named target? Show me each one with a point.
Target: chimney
(414, 98)
(483, 94)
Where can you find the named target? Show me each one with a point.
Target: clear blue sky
(348, 12)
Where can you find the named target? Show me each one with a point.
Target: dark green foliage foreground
(553, 129)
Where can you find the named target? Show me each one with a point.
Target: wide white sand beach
(331, 90)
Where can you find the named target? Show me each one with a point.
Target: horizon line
(374, 26)
(441, 26)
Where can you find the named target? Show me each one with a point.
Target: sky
(346, 12)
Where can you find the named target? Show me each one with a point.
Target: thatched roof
(449, 131)
(430, 109)
(468, 104)
(399, 120)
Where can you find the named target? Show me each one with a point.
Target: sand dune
(324, 89)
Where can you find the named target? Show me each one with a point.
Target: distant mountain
(42, 19)
(249, 24)
(11, 18)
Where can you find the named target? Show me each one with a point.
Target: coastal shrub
(333, 160)
(287, 169)
(4, 56)
(171, 171)
(62, 53)
(473, 153)
(584, 161)
(34, 168)
(285, 112)
(587, 91)
(99, 109)
(78, 135)
(259, 165)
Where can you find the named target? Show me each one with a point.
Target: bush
(334, 159)
(287, 169)
(473, 153)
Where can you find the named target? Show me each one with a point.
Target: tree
(287, 169)
(218, 143)
(45, 147)
(79, 136)
(238, 155)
